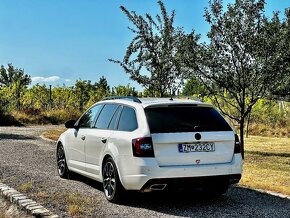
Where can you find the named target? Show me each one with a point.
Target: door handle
(104, 140)
(83, 137)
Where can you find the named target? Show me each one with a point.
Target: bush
(8, 120)
(61, 115)
(27, 118)
(271, 114)
(47, 117)
(264, 130)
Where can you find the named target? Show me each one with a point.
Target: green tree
(11, 75)
(235, 65)
(125, 90)
(36, 98)
(5, 100)
(194, 87)
(153, 56)
(16, 79)
(83, 88)
(103, 84)
(278, 33)
(98, 91)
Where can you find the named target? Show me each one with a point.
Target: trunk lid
(189, 135)
(167, 151)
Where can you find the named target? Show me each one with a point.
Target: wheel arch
(106, 156)
(62, 142)
(58, 143)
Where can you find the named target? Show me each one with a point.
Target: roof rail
(130, 98)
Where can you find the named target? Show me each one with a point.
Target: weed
(26, 186)
(42, 194)
(78, 205)
(13, 179)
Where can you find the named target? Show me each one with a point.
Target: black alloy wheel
(113, 188)
(62, 168)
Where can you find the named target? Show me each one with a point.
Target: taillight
(143, 147)
(239, 148)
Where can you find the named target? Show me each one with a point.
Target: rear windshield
(185, 119)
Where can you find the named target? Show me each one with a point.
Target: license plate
(196, 147)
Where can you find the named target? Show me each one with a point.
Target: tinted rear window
(185, 119)
(128, 120)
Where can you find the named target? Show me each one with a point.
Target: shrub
(47, 117)
(8, 120)
(61, 115)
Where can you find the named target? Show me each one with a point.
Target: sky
(57, 42)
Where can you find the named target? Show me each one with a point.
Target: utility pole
(50, 99)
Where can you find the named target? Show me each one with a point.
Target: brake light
(143, 147)
(239, 148)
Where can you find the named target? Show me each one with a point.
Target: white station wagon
(151, 144)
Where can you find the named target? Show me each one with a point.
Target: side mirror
(70, 124)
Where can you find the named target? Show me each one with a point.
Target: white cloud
(67, 80)
(45, 79)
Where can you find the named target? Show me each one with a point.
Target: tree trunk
(242, 123)
(248, 122)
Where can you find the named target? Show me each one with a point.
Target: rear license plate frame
(196, 147)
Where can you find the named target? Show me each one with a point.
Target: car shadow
(15, 136)
(267, 154)
(87, 181)
(237, 202)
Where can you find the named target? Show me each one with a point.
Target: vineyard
(41, 104)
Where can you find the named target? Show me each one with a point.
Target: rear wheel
(62, 168)
(113, 188)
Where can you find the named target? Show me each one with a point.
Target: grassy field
(53, 134)
(266, 164)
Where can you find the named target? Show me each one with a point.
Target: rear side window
(106, 116)
(128, 120)
(185, 119)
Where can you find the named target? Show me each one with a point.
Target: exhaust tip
(158, 187)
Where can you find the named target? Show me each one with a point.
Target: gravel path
(27, 163)
(8, 210)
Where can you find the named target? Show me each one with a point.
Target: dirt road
(27, 163)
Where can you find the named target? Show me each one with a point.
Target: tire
(62, 168)
(113, 189)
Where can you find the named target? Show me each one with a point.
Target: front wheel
(62, 168)
(113, 188)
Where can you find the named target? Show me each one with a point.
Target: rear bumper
(139, 173)
(194, 182)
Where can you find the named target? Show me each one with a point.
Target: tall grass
(55, 116)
